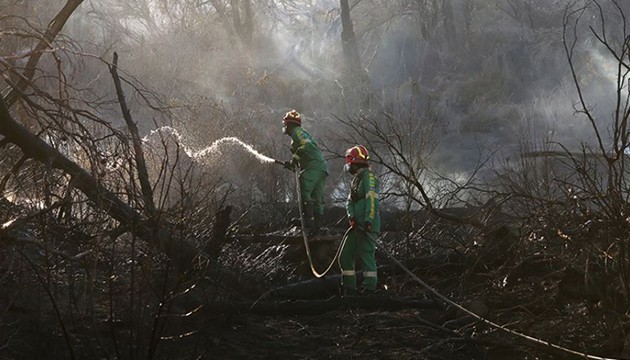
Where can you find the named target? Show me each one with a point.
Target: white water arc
(214, 148)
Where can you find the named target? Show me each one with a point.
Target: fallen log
(286, 239)
(324, 287)
(320, 306)
(312, 288)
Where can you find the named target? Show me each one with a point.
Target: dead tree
(242, 19)
(143, 174)
(54, 28)
(359, 80)
(348, 40)
(183, 254)
(611, 138)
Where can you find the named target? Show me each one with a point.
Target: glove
(352, 222)
(368, 227)
(295, 161)
(288, 165)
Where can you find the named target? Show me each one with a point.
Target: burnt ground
(136, 308)
(536, 295)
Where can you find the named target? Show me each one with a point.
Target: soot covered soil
(536, 296)
(245, 308)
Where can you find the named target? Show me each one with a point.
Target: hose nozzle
(286, 164)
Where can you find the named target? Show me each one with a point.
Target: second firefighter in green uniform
(363, 214)
(314, 170)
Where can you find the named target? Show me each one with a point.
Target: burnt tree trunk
(348, 39)
(242, 19)
(219, 238)
(141, 166)
(359, 80)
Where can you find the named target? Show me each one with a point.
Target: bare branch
(143, 175)
(181, 252)
(54, 28)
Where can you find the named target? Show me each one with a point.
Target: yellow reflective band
(372, 209)
(359, 151)
(348, 273)
(371, 195)
(303, 139)
(369, 273)
(361, 154)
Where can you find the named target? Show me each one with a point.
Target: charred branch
(143, 174)
(54, 28)
(219, 235)
(180, 252)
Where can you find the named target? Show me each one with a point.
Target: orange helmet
(357, 155)
(292, 118)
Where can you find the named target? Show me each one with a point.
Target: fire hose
(428, 287)
(296, 171)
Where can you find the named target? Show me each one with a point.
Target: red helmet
(292, 118)
(357, 155)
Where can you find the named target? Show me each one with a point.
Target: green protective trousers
(312, 186)
(359, 247)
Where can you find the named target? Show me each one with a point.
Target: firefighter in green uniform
(314, 170)
(363, 214)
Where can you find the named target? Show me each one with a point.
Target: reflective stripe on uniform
(303, 139)
(371, 195)
(348, 273)
(369, 273)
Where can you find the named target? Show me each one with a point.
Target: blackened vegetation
(219, 235)
(526, 283)
(112, 248)
(122, 296)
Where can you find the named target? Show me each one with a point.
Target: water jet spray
(215, 147)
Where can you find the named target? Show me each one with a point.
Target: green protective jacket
(363, 204)
(305, 150)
